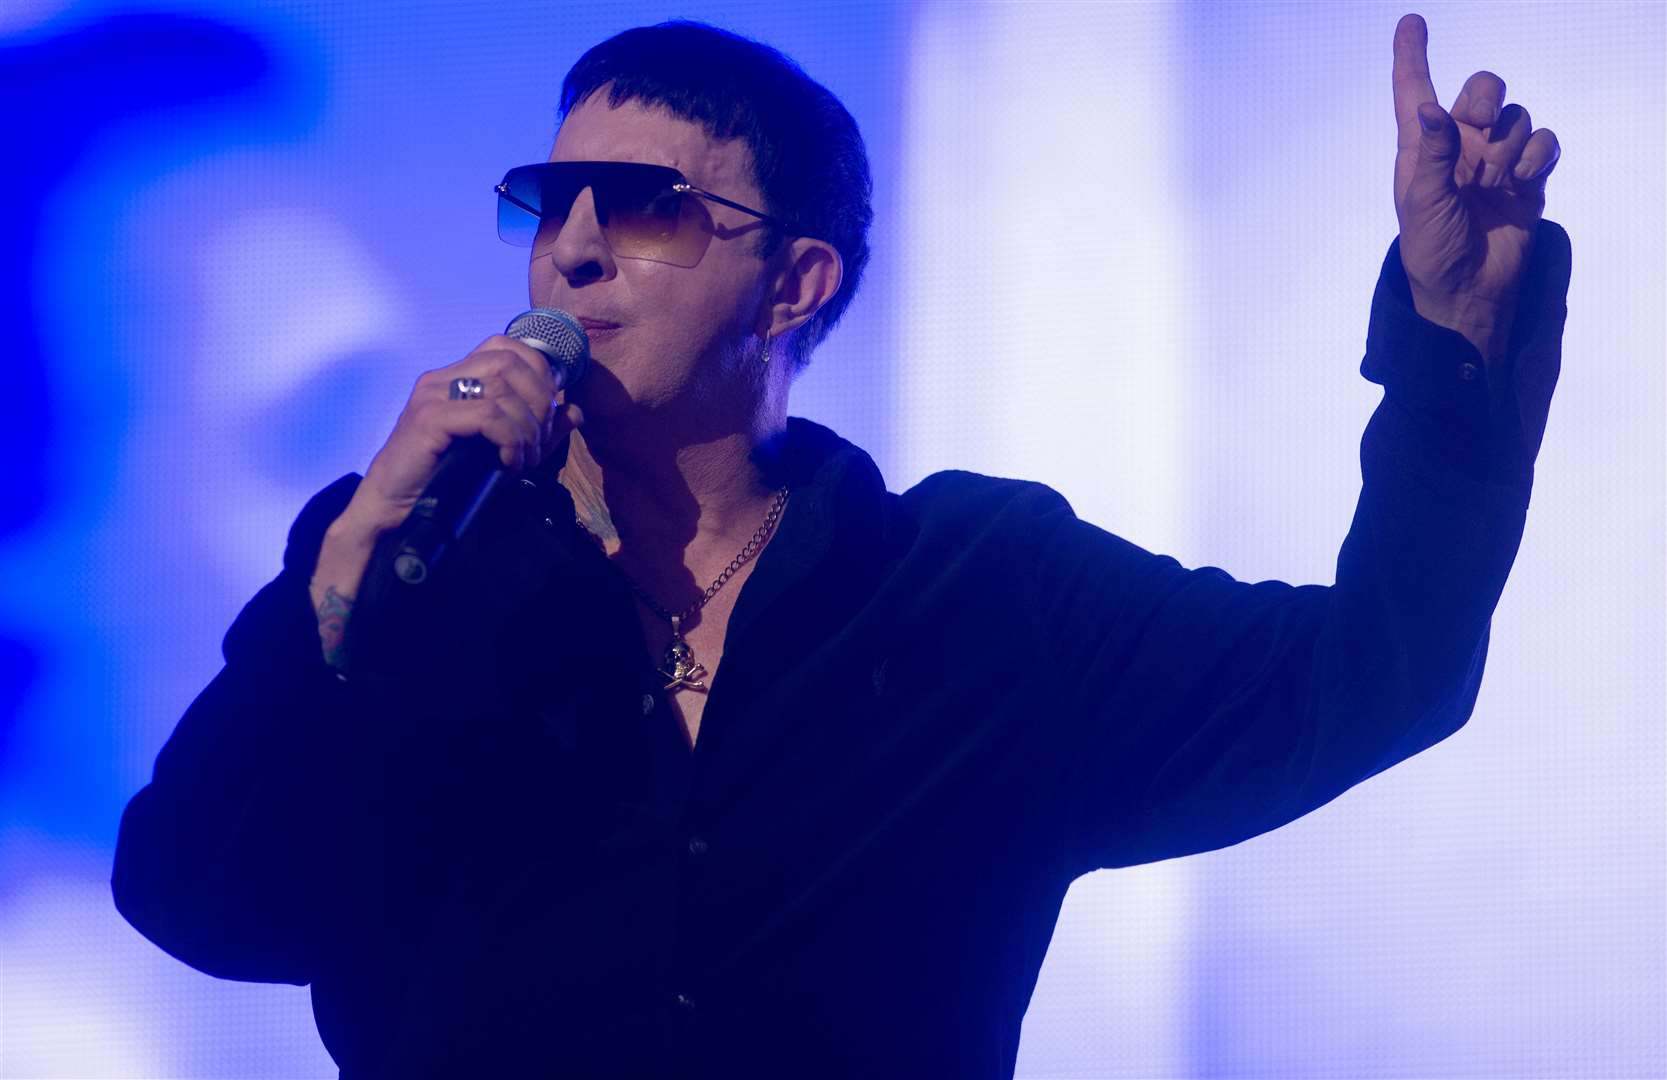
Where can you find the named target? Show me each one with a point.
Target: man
(707, 756)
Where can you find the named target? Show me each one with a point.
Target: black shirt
(490, 851)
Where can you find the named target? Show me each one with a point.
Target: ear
(808, 274)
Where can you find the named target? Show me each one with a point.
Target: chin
(615, 389)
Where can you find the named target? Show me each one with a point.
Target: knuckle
(528, 360)
(422, 412)
(502, 345)
(490, 362)
(529, 374)
(523, 350)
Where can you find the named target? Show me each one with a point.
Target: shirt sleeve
(226, 857)
(1204, 711)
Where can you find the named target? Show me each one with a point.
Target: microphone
(470, 469)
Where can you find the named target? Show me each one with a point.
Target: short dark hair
(807, 154)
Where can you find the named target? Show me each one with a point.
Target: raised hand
(1469, 192)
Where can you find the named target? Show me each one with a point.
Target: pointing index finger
(1412, 75)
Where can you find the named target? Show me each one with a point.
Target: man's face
(660, 334)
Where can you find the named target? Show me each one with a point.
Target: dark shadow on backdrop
(66, 93)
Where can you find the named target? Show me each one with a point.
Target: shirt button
(647, 704)
(1468, 371)
(551, 522)
(686, 1003)
(697, 845)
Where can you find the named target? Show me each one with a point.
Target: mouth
(593, 325)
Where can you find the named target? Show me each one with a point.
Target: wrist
(349, 541)
(364, 522)
(1485, 321)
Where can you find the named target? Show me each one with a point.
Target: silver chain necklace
(678, 665)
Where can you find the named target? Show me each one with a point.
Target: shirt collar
(832, 537)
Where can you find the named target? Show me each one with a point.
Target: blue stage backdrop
(1123, 249)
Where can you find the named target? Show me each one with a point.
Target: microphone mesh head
(558, 336)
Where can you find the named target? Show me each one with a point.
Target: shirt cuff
(1482, 420)
(1421, 363)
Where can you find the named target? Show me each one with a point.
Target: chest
(686, 676)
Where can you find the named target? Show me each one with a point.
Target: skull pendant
(681, 669)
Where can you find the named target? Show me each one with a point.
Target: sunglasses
(644, 211)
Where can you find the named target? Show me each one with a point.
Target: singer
(703, 754)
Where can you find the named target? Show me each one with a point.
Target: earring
(764, 349)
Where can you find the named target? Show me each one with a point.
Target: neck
(669, 506)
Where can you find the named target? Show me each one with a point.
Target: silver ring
(466, 389)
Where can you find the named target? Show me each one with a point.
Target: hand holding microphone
(449, 448)
(514, 410)
(521, 425)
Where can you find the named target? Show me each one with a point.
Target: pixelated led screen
(1123, 249)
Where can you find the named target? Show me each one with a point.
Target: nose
(576, 249)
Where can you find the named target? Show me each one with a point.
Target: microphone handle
(469, 472)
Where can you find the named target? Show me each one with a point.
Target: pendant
(679, 664)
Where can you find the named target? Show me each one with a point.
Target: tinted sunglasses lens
(644, 217)
(640, 213)
(523, 196)
(515, 225)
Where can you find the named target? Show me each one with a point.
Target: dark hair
(807, 154)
